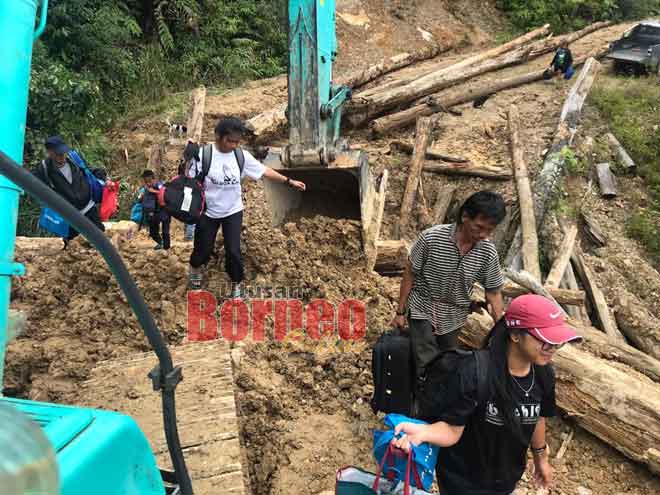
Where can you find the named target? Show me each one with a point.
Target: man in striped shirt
(444, 264)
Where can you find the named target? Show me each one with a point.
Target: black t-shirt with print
(489, 459)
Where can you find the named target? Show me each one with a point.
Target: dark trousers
(426, 345)
(156, 221)
(205, 233)
(93, 216)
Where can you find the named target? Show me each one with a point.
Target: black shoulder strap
(240, 158)
(46, 176)
(207, 156)
(482, 358)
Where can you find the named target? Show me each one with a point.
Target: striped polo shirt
(443, 279)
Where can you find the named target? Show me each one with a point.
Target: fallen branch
(422, 137)
(530, 240)
(431, 154)
(468, 169)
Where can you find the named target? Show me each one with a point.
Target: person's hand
(543, 472)
(399, 322)
(413, 433)
(296, 184)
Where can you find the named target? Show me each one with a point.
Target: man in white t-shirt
(224, 202)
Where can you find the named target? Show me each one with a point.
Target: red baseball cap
(541, 318)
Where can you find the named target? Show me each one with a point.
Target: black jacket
(77, 193)
(567, 61)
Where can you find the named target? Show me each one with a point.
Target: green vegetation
(632, 107)
(569, 15)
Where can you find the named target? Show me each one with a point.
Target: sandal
(195, 281)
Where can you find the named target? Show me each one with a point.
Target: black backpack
(431, 398)
(183, 197)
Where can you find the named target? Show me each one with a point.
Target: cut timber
(613, 402)
(196, 121)
(364, 108)
(605, 318)
(511, 290)
(431, 154)
(271, 121)
(422, 137)
(637, 323)
(372, 234)
(606, 181)
(442, 102)
(527, 280)
(563, 260)
(206, 411)
(546, 46)
(392, 257)
(554, 163)
(621, 153)
(442, 203)
(470, 170)
(578, 312)
(530, 240)
(424, 217)
(592, 230)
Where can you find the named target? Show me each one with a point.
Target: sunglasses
(544, 345)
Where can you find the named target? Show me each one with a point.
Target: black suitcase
(392, 370)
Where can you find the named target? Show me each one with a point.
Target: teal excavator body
(97, 452)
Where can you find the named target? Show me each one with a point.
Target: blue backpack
(96, 185)
(137, 211)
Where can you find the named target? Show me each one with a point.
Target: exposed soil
(303, 404)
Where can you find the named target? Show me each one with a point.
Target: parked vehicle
(638, 51)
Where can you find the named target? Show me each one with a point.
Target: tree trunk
(422, 137)
(622, 154)
(553, 165)
(431, 154)
(196, 121)
(442, 203)
(602, 310)
(619, 406)
(441, 102)
(606, 181)
(364, 108)
(468, 169)
(637, 323)
(530, 240)
(391, 257)
(563, 260)
(548, 45)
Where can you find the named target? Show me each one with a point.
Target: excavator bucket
(347, 189)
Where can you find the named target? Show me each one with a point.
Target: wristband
(539, 450)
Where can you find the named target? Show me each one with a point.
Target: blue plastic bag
(424, 456)
(53, 222)
(137, 211)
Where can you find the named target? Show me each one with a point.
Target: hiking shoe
(195, 281)
(237, 291)
(158, 247)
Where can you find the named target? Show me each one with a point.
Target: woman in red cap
(486, 441)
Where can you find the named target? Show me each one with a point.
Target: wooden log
(592, 230)
(577, 312)
(621, 153)
(423, 215)
(431, 154)
(511, 290)
(391, 257)
(196, 121)
(606, 181)
(441, 102)
(563, 260)
(550, 44)
(442, 203)
(605, 319)
(614, 403)
(553, 166)
(527, 280)
(468, 169)
(273, 120)
(637, 323)
(422, 137)
(372, 233)
(365, 108)
(530, 240)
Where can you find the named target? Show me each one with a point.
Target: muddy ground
(303, 404)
